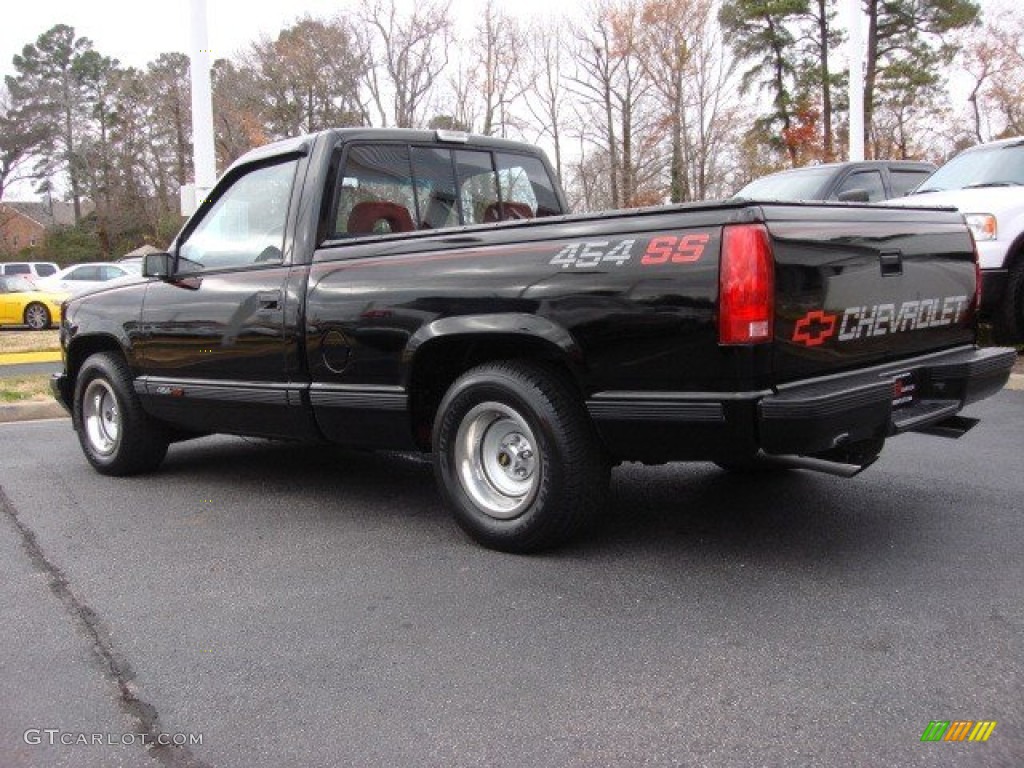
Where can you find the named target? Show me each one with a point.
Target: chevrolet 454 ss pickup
(420, 291)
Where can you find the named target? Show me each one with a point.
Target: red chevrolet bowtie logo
(814, 328)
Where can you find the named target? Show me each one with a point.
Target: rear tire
(516, 457)
(117, 436)
(37, 316)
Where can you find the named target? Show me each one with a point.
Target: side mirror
(157, 265)
(854, 196)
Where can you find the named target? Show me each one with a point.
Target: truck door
(216, 348)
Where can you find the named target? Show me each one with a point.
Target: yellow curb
(18, 358)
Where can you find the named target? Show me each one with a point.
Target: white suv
(986, 183)
(30, 270)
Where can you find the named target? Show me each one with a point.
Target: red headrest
(512, 211)
(365, 216)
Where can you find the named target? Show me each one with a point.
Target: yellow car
(21, 303)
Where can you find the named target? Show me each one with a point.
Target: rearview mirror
(854, 196)
(157, 264)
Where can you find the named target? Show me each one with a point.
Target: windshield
(15, 285)
(998, 166)
(803, 184)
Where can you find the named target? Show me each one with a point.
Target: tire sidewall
(46, 313)
(97, 367)
(531, 404)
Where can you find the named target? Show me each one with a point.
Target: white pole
(855, 53)
(202, 104)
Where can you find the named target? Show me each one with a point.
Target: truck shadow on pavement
(682, 509)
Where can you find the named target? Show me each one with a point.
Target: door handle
(269, 299)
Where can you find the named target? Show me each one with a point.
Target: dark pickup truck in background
(857, 181)
(420, 291)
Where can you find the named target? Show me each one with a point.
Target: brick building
(26, 224)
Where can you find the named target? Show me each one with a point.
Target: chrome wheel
(37, 317)
(101, 417)
(498, 460)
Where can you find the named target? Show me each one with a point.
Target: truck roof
(447, 138)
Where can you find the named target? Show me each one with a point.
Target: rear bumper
(805, 418)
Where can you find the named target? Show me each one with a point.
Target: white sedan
(79, 278)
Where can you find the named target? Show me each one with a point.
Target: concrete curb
(32, 411)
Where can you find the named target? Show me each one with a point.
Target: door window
(869, 181)
(245, 226)
(84, 273)
(905, 181)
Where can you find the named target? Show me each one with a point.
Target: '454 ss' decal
(660, 249)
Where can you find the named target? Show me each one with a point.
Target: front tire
(116, 435)
(516, 457)
(37, 316)
(1008, 320)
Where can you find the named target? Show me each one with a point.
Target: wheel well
(440, 362)
(80, 350)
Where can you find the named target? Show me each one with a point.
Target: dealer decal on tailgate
(818, 326)
(660, 249)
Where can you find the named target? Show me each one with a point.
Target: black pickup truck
(420, 291)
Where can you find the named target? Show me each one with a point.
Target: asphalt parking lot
(307, 606)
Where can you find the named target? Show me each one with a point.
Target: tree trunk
(826, 85)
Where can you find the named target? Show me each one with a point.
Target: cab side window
(245, 225)
(435, 187)
(526, 190)
(478, 186)
(375, 195)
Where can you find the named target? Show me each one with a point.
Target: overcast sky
(137, 31)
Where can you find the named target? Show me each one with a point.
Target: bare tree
(994, 57)
(407, 53)
(544, 97)
(612, 90)
(497, 46)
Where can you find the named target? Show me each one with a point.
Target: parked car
(21, 303)
(30, 270)
(986, 183)
(79, 278)
(866, 181)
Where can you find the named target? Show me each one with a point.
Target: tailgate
(863, 285)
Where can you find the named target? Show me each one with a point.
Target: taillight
(746, 296)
